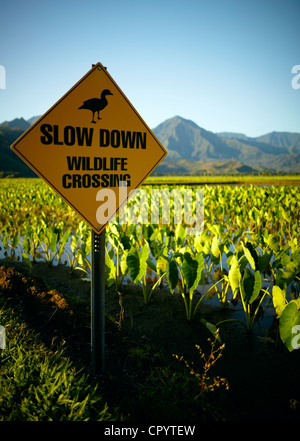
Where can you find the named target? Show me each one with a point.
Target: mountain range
(192, 150)
(198, 149)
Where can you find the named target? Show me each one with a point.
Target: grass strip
(38, 383)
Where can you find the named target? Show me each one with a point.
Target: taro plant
(218, 248)
(213, 250)
(53, 241)
(10, 238)
(246, 283)
(191, 273)
(288, 313)
(120, 241)
(135, 263)
(31, 241)
(185, 272)
(72, 254)
(288, 309)
(80, 248)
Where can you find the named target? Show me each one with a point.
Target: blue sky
(225, 64)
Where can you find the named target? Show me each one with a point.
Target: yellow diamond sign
(92, 139)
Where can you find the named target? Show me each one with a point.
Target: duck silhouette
(96, 104)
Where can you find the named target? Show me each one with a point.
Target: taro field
(246, 255)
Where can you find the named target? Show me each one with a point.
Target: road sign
(90, 140)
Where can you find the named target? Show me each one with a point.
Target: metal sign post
(98, 302)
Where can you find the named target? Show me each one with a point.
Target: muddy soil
(263, 376)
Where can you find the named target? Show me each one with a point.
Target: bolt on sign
(91, 147)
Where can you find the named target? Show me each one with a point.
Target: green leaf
(279, 300)
(234, 276)
(192, 270)
(285, 277)
(172, 274)
(152, 265)
(110, 271)
(180, 234)
(161, 265)
(273, 243)
(296, 258)
(263, 261)
(53, 241)
(26, 244)
(133, 263)
(250, 254)
(289, 325)
(124, 266)
(137, 263)
(251, 285)
(215, 248)
(212, 328)
(15, 241)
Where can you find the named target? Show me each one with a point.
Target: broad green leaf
(53, 242)
(161, 265)
(250, 254)
(279, 299)
(110, 271)
(133, 264)
(123, 264)
(234, 276)
(206, 247)
(26, 245)
(285, 277)
(289, 325)
(15, 241)
(215, 248)
(192, 270)
(152, 265)
(273, 243)
(144, 254)
(180, 234)
(137, 263)
(251, 285)
(172, 274)
(263, 261)
(296, 259)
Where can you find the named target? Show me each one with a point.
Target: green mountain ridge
(184, 140)
(10, 164)
(192, 150)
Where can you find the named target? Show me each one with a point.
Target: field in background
(202, 180)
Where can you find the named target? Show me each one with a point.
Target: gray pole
(98, 302)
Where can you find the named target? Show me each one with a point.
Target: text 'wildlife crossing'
(88, 137)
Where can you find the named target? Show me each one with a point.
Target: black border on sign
(14, 146)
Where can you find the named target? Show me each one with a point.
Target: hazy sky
(225, 64)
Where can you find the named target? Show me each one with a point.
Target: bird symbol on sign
(96, 104)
